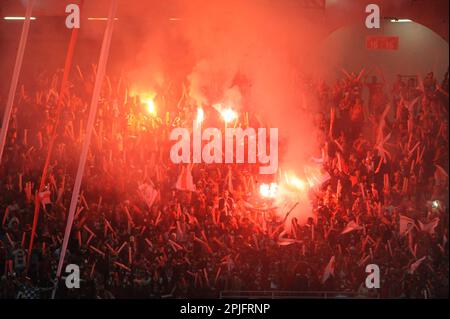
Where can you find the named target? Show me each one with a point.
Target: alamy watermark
(215, 152)
(73, 278)
(373, 279)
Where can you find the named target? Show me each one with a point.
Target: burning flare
(268, 190)
(150, 105)
(200, 115)
(228, 115)
(294, 182)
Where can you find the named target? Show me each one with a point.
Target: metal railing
(233, 294)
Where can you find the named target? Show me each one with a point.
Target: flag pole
(62, 90)
(90, 125)
(15, 77)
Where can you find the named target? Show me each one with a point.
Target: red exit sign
(374, 42)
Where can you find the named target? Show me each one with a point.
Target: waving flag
(329, 269)
(44, 197)
(288, 241)
(416, 265)
(148, 193)
(406, 224)
(351, 226)
(316, 176)
(185, 181)
(429, 227)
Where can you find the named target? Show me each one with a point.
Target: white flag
(287, 241)
(429, 227)
(351, 226)
(329, 269)
(416, 264)
(44, 197)
(148, 193)
(406, 224)
(185, 181)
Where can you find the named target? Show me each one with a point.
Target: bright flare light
(228, 115)
(295, 182)
(400, 20)
(268, 190)
(18, 18)
(200, 115)
(150, 106)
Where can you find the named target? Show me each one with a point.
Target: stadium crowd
(386, 202)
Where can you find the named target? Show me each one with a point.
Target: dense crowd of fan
(387, 159)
